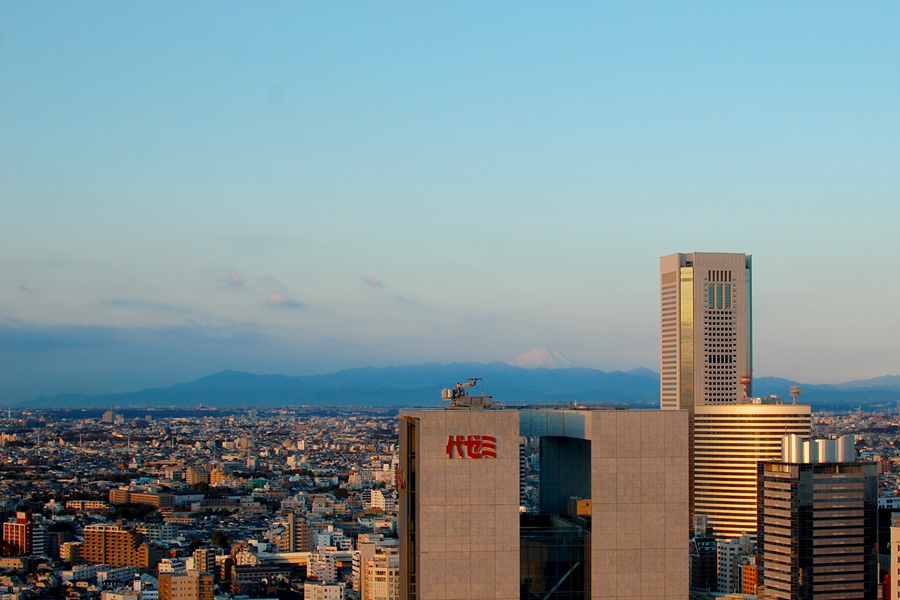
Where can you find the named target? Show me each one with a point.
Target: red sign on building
(472, 446)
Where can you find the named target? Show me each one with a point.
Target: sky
(302, 187)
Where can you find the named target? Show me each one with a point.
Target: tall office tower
(729, 441)
(817, 537)
(706, 338)
(461, 534)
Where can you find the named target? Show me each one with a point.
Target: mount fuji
(543, 358)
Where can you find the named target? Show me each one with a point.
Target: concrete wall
(639, 481)
(468, 530)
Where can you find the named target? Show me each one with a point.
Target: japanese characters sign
(472, 446)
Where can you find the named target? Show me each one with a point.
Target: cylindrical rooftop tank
(791, 448)
(846, 448)
(825, 451)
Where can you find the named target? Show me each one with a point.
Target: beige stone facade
(466, 510)
(460, 524)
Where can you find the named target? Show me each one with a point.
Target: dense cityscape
(220, 485)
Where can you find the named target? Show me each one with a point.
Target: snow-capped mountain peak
(543, 358)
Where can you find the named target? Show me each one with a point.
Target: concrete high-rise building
(117, 547)
(368, 546)
(297, 535)
(706, 341)
(729, 441)
(461, 533)
(733, 555)
(204, 560)
(19, 534)
(818, 532)
(382, 576)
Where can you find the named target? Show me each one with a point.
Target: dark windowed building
(817, 522)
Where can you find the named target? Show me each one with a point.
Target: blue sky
(303, 187)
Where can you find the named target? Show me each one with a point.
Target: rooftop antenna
(795, 392)
(459, 398)
(745, 383)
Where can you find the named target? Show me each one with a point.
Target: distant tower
(706, 340)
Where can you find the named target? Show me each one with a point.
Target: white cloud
(281, 301)
(234, 279)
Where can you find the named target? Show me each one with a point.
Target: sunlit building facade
(189, 585)
(19, 534)
(706, 341)
(613, 505)
(729, 441)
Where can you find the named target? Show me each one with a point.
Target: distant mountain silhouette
(878, 393)
(413, 385)
(421, 385)
(644, 372)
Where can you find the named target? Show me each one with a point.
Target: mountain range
(421, 385)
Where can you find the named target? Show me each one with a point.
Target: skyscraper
(706, 368)
(706, 337)
(818, 532)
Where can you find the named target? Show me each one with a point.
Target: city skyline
(301, 188)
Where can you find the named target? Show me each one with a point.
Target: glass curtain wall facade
(817, 536)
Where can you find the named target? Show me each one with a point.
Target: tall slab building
(613, 495)
(706, 340)
(706, 368)
(818, 523)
